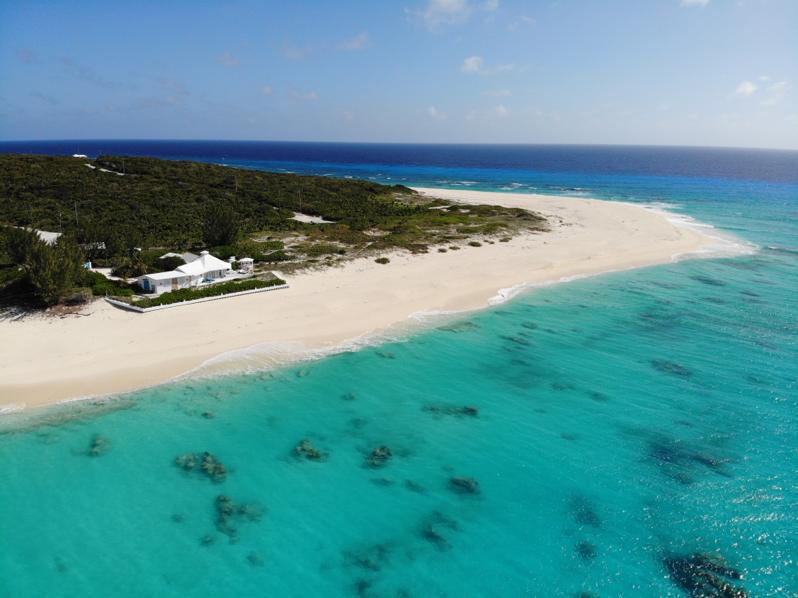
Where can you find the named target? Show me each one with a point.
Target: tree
(19, 244)
(53, 269)
(220, 226)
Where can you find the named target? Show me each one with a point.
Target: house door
(174, 284)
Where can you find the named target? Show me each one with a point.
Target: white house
(203, 270)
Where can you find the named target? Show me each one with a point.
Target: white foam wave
(272, 355)
(724, 245)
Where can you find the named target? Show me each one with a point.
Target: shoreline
(46, 361)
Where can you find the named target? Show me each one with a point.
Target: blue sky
(692, 72)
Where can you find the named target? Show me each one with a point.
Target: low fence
(144, 310)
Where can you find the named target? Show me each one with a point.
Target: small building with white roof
(246, 265)
(206, 269)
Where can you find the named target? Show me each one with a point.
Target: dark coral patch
(704, 576)
(585, 550)
(671, 367)
(584, 513)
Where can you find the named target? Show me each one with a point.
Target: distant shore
(46, 360)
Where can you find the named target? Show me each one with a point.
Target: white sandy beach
(44, 360)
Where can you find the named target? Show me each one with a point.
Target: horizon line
(429, 143)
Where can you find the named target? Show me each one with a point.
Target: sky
(660, 72)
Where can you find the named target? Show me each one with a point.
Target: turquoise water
(620, 421)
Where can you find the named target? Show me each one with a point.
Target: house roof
(203, 264)
(165, 275)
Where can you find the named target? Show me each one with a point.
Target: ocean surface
(584, 439)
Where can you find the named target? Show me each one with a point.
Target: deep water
(620, 426)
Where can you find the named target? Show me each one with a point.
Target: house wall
(184, 282)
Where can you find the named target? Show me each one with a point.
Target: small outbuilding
(246, 265)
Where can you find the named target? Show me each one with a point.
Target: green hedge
(215, 290)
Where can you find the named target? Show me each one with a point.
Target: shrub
(78, 296)
(129, 267)
(220, 226)
(382, 260)
(266, 245)
(52, 270)
(275, 256)
(101, 286)
(320, 249)
(475, 244)
(168, 263)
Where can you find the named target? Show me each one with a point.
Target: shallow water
(620, 420)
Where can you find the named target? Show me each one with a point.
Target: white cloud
(443, 12)
(700, 3)
(475, 65)
(501, 111)
(227, 59)
(745, 88)
(775, 93)
(433, 112)
(439, 13)
(359, 42)
(306, 96)
(266, 90)
(348, 115)
(522, 20)
(496, 93)
(295, 52)
(472, 64)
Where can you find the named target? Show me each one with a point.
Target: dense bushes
(220, 226)
(101, 286)
(215, 290)
(166, 264)
(126, 222)
(274, 256)
(320, 249)
(52, 270)
(165, 203)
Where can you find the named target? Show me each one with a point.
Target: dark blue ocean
(626, 423)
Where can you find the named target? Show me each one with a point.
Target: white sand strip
(45, 360)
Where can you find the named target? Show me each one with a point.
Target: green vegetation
(382, 260)
(156, 206)
(220, 226)
(215, 290)
(101, 286)
(320, 249)
(51, 270)
(167, 203)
